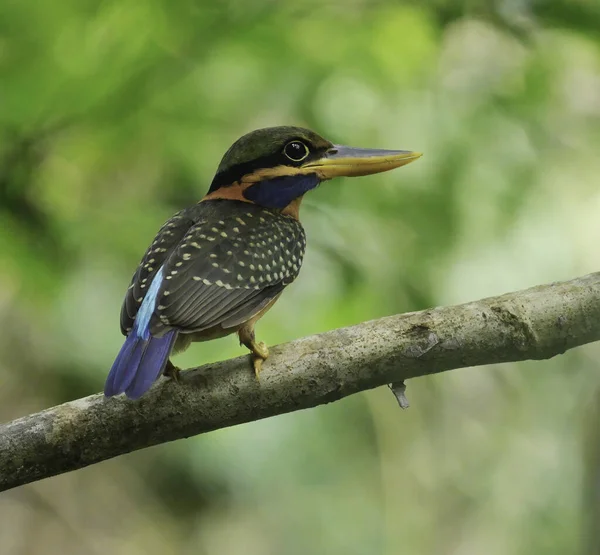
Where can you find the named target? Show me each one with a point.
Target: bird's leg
(172, 371)
(259, 350)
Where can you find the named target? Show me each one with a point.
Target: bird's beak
(346, 161)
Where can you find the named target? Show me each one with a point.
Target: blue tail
(139, 364)
(142, 358)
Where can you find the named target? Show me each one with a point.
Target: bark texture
(536, 323)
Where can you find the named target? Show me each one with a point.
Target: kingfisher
(216, 267)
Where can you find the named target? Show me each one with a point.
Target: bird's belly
(185, 339)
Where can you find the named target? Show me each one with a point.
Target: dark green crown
(264, 148)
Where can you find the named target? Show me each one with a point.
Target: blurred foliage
(114, 114)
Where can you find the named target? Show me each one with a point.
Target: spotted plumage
(216, 267)
(223, 261)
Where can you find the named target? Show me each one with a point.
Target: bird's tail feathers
(139, 364)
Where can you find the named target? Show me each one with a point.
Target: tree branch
(537, 323)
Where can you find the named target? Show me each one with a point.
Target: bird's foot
(172, 371)
(260, 353)
(259, 350)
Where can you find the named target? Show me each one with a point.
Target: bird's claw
(173, 372)
(260, 353)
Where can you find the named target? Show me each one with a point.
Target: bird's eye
(296, 151)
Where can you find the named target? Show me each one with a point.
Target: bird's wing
(166, 240)
(233, 262)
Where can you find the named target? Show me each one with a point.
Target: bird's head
(274, 167)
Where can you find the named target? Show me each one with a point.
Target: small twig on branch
(537, 323)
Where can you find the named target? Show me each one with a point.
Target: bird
(215, 268)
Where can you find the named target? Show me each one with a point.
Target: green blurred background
(114, 114)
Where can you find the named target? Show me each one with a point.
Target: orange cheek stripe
(234, 192)
(293, 208)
